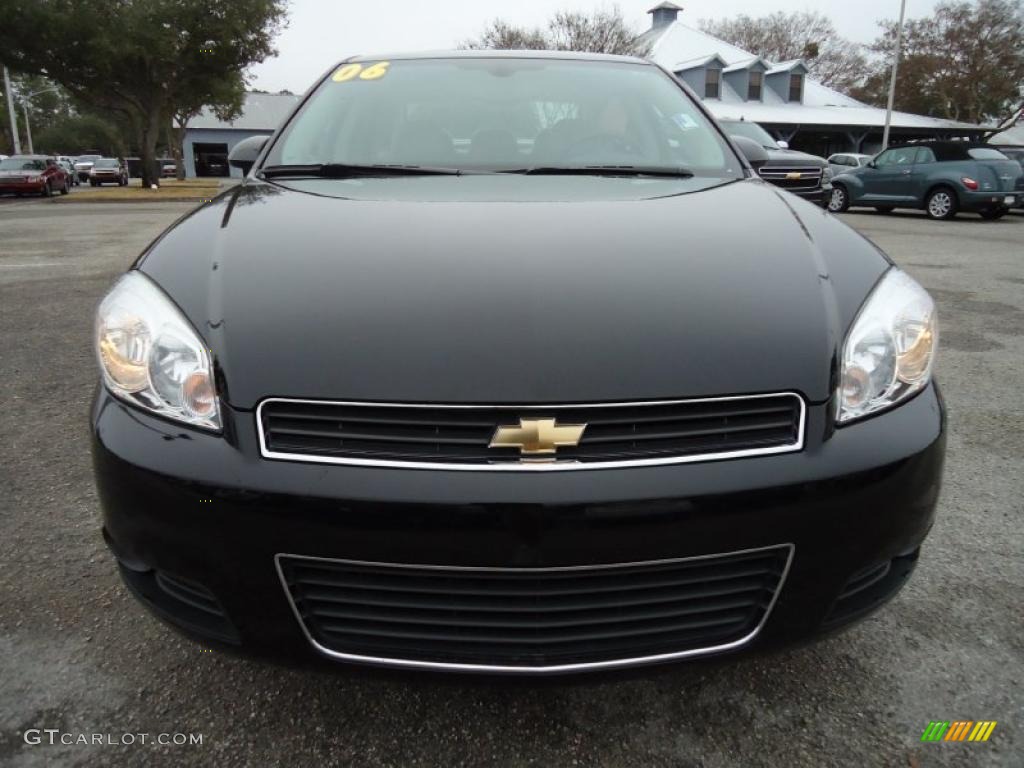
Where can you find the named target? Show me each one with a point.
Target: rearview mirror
(751, 150)
(243, 155)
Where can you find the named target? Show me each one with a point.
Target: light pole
(24, 106)
(892, 80)
(13, 114)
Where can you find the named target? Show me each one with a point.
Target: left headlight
(151, 356)
(889, 351)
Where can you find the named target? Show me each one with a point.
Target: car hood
(735, 289)
(786, 157)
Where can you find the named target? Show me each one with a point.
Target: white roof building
(781, 96)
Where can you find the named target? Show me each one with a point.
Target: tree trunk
(176, 140)
(148, 136)
(179, 155)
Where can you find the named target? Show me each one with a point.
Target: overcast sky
(321, 32)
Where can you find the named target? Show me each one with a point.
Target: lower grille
(794, 179)
(190, 593)
(867, 589)
(184, 603)
(460, 436)
(533, 619)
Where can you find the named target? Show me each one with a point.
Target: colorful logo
(958, 730)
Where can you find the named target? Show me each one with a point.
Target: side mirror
(243, 155)
(751, 150)
(870, 164)
(782, 144)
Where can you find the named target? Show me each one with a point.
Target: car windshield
(503, 114)
(105, 162)
(22, 164)
(750, 131)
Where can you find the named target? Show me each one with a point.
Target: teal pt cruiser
(941, 177)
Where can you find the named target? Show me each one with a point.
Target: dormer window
(754, 85)
(712, 83)
(796, 87)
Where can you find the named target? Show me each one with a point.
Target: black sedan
(476, 372)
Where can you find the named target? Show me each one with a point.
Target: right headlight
(889, 351)
(151, 356)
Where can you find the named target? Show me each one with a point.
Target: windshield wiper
(605, 170)
(348, 171)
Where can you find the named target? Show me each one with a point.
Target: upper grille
(458, 436)
(810, 177)
(533, 619)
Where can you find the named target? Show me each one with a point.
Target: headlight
(889, 351)
(826, 173)
(151, 356)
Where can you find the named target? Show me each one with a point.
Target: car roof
(29, 157)
(948, 150)
(943, 144)
(502, 54)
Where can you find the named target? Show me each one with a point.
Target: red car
(38, 174)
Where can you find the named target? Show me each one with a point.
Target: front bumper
(820, 194)
(208, 511)
(23, 186)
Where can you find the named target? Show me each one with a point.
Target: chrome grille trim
(777, 175)
(533, 466)
(536, 670)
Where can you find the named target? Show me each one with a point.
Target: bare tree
(965, 62)
(808, 35)
(602, 31)
(500, 35)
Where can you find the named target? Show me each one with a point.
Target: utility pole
(11, 111)
(892, 80)
(28, 128)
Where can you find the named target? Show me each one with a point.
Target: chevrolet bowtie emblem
(535, 437)
(794, 175)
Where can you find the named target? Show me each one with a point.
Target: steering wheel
(604, 149)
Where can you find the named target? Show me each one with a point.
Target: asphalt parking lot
(78, 654)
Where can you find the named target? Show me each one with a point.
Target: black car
(475, 372)
(808, 176)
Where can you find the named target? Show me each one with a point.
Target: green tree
(965, 62)
(602, 31)
(225, 97)
(77, 133)
(139, 59)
